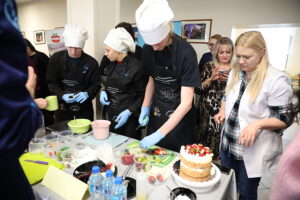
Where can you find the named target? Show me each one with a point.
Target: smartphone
(224, 170)
(223, 71)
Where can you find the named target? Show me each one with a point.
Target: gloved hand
(81, 97)
(104, 98)
(122, 118)
(144, 116)
(68, 98)
(152, 139)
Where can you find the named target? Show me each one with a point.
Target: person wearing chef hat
(125, 84)
(74, 76)
(173, 74)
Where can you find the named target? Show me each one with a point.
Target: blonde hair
(225, 41)
(255, 41)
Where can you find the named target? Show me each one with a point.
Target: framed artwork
(39, 37)
(196, 31)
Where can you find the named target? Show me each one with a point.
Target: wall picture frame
(39, 37)
(196, 31)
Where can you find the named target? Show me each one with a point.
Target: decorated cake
(195, 163)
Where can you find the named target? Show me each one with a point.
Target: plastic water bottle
(107, 184)
(95, 184)
(119, 191)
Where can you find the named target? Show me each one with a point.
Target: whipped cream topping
(194, 158)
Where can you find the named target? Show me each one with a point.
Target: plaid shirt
(232, 131)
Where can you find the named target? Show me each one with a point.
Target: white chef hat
(152, 19)
(75, 36)
(120, 40)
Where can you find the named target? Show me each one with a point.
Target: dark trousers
(247, 187)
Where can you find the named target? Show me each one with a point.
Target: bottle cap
(119, 180)
(109, 173)
(95, 169)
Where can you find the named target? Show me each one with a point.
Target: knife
(38, 162)
(140, 125)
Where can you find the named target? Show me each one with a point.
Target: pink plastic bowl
(101, 129)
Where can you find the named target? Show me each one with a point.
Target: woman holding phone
(213, 81)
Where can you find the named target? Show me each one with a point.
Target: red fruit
(127, 159)
(151, 179)
(159, 177)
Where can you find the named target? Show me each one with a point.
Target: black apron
(73, 82)
(165, 101)
(120, 99)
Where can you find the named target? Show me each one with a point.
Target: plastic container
(119, 190)
(142, 162)
(51, 140)
(95, 184)
(101, 129)
(141, 187)
(66, 136)
(37, 145)
(107, 184)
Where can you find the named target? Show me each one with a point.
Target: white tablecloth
(225, 189)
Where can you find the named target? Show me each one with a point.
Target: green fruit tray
(156, 160)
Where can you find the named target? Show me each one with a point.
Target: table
(225, 189)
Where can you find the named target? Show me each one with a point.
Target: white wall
(41, 15)
(225, 14)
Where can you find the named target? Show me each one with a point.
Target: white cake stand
(200, 186)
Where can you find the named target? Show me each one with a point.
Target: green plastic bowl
(79, 126)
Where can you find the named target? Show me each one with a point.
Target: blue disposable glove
(152, 139)
(104, 98)
(68, 98)
(122, 118)
(144, 116)
(81, 97)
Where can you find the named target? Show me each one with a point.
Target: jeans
(247, 187)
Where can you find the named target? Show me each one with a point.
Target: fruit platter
(155, 162)
(157, 156)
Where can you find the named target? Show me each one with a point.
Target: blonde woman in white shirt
(255, 110)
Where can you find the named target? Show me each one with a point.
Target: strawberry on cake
(195, 164)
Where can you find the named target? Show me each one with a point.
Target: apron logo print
(166, 93)
(114, 102)
(156, 111)
(85, 69)
(169, 113)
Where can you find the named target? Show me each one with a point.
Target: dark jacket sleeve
(19, 116)
(95, 80)
(204, 59)
(140, 81)
(53, 74)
